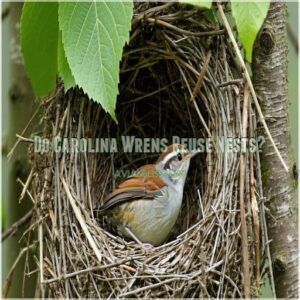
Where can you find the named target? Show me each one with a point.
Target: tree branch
(13, 229)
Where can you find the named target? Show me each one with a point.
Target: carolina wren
(145, 207)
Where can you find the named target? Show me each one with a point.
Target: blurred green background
(11, 211)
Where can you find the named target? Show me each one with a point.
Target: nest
(178, 78)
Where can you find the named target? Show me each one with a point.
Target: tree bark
(270, 82)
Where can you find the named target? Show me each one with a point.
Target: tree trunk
(270, 82)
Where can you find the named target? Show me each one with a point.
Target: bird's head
(173, 164)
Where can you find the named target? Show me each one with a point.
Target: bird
(145, 207)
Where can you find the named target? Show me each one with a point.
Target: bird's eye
(179, 156)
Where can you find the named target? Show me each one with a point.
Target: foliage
(82, 42)
(93, 39)
(198, 3)
(249, 17)
(64, 70)
(39, 31)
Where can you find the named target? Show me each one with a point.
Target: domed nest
(178, 78)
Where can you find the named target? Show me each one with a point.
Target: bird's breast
(150, 220)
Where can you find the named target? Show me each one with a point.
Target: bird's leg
(145, 246)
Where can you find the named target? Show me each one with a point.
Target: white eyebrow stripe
(168, 157)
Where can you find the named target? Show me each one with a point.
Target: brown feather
(144, 187)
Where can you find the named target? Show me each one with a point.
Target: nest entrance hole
(155, 102)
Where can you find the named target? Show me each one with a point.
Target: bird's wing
(144, 187)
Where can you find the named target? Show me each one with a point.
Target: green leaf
(39, 32)
(249, 17)
(93, 34)
(63, 66)
(199, 3)
(211, 16)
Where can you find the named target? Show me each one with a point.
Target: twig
(197, 90)
(254, 208)
(91, 269)
(243, 65)
(195, 103)
(11, 152)
(244, 234)
(81, 221)
(136, 291)
(11, 231)
(201, 205)
(230, 82)
(24, 139)
(26, 185)
(182, 31)
(201, 76)
(26, 190)
(41, 257)
(151, 11)
(8, 280)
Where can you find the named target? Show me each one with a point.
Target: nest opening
(159, 72)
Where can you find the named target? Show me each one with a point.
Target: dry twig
(81, 221)
(8, 280)
(254, 207)
(244, 234)
(13, 229)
